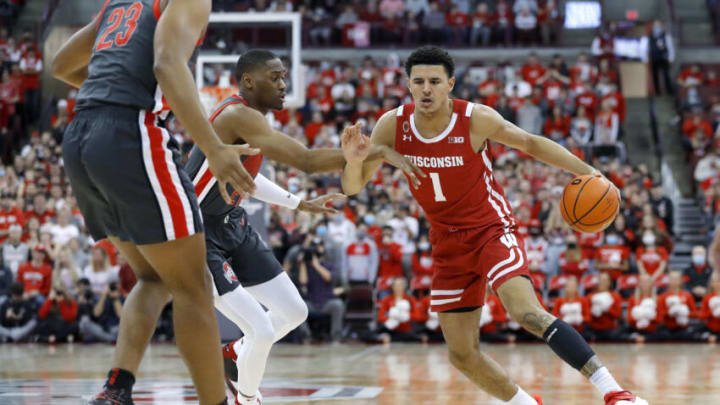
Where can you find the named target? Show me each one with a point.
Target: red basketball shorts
(467, 260)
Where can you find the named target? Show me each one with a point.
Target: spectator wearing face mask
(651, 259)
(676, 307)
(697, 275)
(710, 311)
(361, 258)
(572, 262)
(422, 267)
(613, 257)
(374, 230)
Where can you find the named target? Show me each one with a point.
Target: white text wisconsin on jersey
(436, 162)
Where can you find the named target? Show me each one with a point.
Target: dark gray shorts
(236, 255)
(126, 174)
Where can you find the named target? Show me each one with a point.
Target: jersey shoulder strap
(234, 99)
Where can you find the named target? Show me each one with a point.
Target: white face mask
(649, 239)
(698, 260)
(424, 246)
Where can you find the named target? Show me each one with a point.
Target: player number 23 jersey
(460, 191)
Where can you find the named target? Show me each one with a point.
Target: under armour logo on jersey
(407, 138)
(456, 139)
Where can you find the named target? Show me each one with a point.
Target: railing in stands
(47, 15)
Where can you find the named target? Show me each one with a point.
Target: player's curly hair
(430, 55)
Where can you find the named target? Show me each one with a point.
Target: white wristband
(266, 190)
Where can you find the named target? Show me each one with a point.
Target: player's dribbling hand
(226, 166)
(319, 205)
(355, 145)
(401, 162)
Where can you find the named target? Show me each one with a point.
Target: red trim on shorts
(157, 151)
(204, 180)
(156, 9)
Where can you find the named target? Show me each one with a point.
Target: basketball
(589, 203)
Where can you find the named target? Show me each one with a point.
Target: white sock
(604, 381)
(521, 398)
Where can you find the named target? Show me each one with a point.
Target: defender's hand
(401, 162)
(355, 145)
(318, 205)
(225, 164)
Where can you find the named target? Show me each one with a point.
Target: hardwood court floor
(360, 375)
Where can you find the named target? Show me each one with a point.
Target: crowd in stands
(409, 22)
(698, 100)
(365, 273)
(21, 66)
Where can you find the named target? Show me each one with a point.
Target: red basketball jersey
(460, 191)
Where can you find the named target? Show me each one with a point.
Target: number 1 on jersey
(439, 196)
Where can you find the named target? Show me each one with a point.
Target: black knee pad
(568, 344)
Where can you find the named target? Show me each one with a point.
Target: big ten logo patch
(229, 273)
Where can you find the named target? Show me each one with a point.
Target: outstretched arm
(272, 193)
(360, 165)
(486, 124)
(71, 61)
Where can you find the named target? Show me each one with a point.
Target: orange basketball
(589, 203)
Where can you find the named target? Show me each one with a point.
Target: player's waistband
(492, 227)
(114, 111)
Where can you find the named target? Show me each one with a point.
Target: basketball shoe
(623, 398)
(538, 399)
(112, 396)
(231, 375)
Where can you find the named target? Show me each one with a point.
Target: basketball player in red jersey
(473, 230)
(127, 176)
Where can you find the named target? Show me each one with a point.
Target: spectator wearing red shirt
(583, 71)
(9, 215)
(616, 100)
(711, 79)
(572, 262)
(490, 89)
(613, 257)
(395, 314)
(31, 66)
(532, 71)
(57, 317)
(36, 275)
(603, 45)
(690, 76)
(697, 130)
(710, 310)
(651, 259)
(589, 242)
(40, 210)
(572, 307)
(482, 25)
(588, 99)
(557, 127)
(390, 263)
(642, 312)
(675, 308)
(458, 24)
(605, 311)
